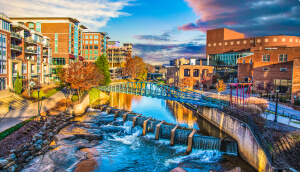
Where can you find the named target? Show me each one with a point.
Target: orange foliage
(187, 81)
(221, 86)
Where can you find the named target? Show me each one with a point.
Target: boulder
(12, 168)
(59, 137)
(25, 154)
(11, 157)
(89, 136)
(3, 163)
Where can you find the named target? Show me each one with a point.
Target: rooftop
(73, 20)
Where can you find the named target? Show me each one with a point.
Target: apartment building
(116, 56)
(23, 51)
(65, 34)
(94, 45)
(225, 46)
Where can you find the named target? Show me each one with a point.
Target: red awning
(81, 58)
(71, 56)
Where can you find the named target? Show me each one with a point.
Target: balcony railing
(30, 40)
(15, 47)
(30, 51)
(16, 35)
(30, 58)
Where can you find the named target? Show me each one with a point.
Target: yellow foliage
(221, 86)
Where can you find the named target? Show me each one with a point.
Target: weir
(176, 134)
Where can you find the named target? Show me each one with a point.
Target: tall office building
(94, 45)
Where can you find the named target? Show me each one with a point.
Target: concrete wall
(80, 108)
(249, 149)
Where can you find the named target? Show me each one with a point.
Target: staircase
(11, 100)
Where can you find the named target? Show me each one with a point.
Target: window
(91, 47)
(231, 43)
(283, 39)
(258, 40)
(250, 61)
(95, 42)
(291, 39)
(91, 57)
(296, 40)
(95, 57)
(38, 26)
(244, 42)
(91, 37)
(86, 51)
(96, 52)
(283, 69)
(86, 57)
(31, 25)
(214, 44)
(282, 58)
(96, 37)
(225, 43)
(86, 42)
(237, 42)
(266, 58)
(91, 51)
(274, 39)
(196, 73)
(58, 61)
(91, 42)
(251, 41)
(244, 61)
(96, 47)
(86, 47)
(220, 43)
(209, 45)
(56, 43)
(266, 69)
(86, 37)
(266, 40)
(186, 72)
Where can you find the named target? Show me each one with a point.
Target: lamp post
(277, 91)
(38, 101)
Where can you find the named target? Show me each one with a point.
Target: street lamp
(277, 91)
(38, 101)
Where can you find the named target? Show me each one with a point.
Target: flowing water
(123, 148)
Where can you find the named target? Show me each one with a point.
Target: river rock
(25, 154)
(3, 163)
(12, 168)
(111, 129)
(10, 164)
(39, 142)
(59, 137)
(178, 169)
(89, 136)
(11, 157)
(29, 158)
(38, 136)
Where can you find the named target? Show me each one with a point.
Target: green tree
(102, 65)
(18, 85)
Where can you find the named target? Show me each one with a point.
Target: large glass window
(86, 42)
(226, 59)
(86, 37)
(58, 61)
(196, 73)
(96, 47)
(95, 52)
(86, 51)
(186, 72)
(91, 47)
(91, 42)
(282, 58)
(56, 43)
(91, 37)
(91, 51)
(95, 42)
(96, 37)
(266, 58)
(86, 47)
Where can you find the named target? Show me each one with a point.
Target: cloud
(92, 13)
(166, 36)
(162, 54)
(255, 17)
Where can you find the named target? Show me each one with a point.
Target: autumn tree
(260, 87)
(220, 86)
(81, 76)
(135, 67)
(103, 68)
(187, 81)
(268, 87)
(150, 68)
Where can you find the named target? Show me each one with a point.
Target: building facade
(94, 45)
(178, 62)
(277, 65)
(24, 52)
(66, 37)
(224, 47)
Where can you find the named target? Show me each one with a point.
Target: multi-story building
(176, 73)
(181, 61)
(116, 56)
(94, 45)
(65, 33)
(224, 47)
(23, 51)
(281, 66)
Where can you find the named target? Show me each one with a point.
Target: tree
(150, 68)
(81, 76)
(215, 78)
(103, 68)
(187, 81)
(269, 87)
(135, 67)
(18, 85)
(58, 71)
(260, 87)
(220, 86)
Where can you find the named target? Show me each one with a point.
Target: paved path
(14, 117)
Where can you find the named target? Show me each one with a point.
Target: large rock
(3, 163)
(59, 137)
(89, 136)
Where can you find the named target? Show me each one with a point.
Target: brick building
(65, 35)
(94, 45)
(24, 51)
(176, 73)
(177, 62)
(277, 65)
(224, 47)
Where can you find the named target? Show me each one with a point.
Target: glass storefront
(227, 59)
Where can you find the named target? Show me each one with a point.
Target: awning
(71, 56)
(80, 58)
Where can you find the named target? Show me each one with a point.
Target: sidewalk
(14, 117)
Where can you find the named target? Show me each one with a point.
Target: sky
(162, 30)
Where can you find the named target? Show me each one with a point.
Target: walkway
(14, 117)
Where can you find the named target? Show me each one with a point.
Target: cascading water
(206, 143)
(181, 136)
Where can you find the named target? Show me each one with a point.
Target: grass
(49, 93)
(14, 128)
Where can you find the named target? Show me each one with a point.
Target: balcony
(15, 47)
(30, 51)
(29, 40)
(46, 45)
(45, 54)
(15, 35)
(30, 58)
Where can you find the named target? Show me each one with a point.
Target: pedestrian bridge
(160, 91)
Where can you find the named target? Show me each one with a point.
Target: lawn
(45, 93)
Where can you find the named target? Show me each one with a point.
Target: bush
(297, 103)
(75, 98)
(255, 112)
(262, 103)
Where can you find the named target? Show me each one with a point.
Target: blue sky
(161, 30)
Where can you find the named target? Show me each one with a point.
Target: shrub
(297, 103)
(255, 112)
(262, 103)
(75, 98)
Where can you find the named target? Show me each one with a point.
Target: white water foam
(93, 110)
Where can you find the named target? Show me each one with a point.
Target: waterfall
(229, 147)
(152, 126)
(206, 143)
(181, 136)
(165, 131)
